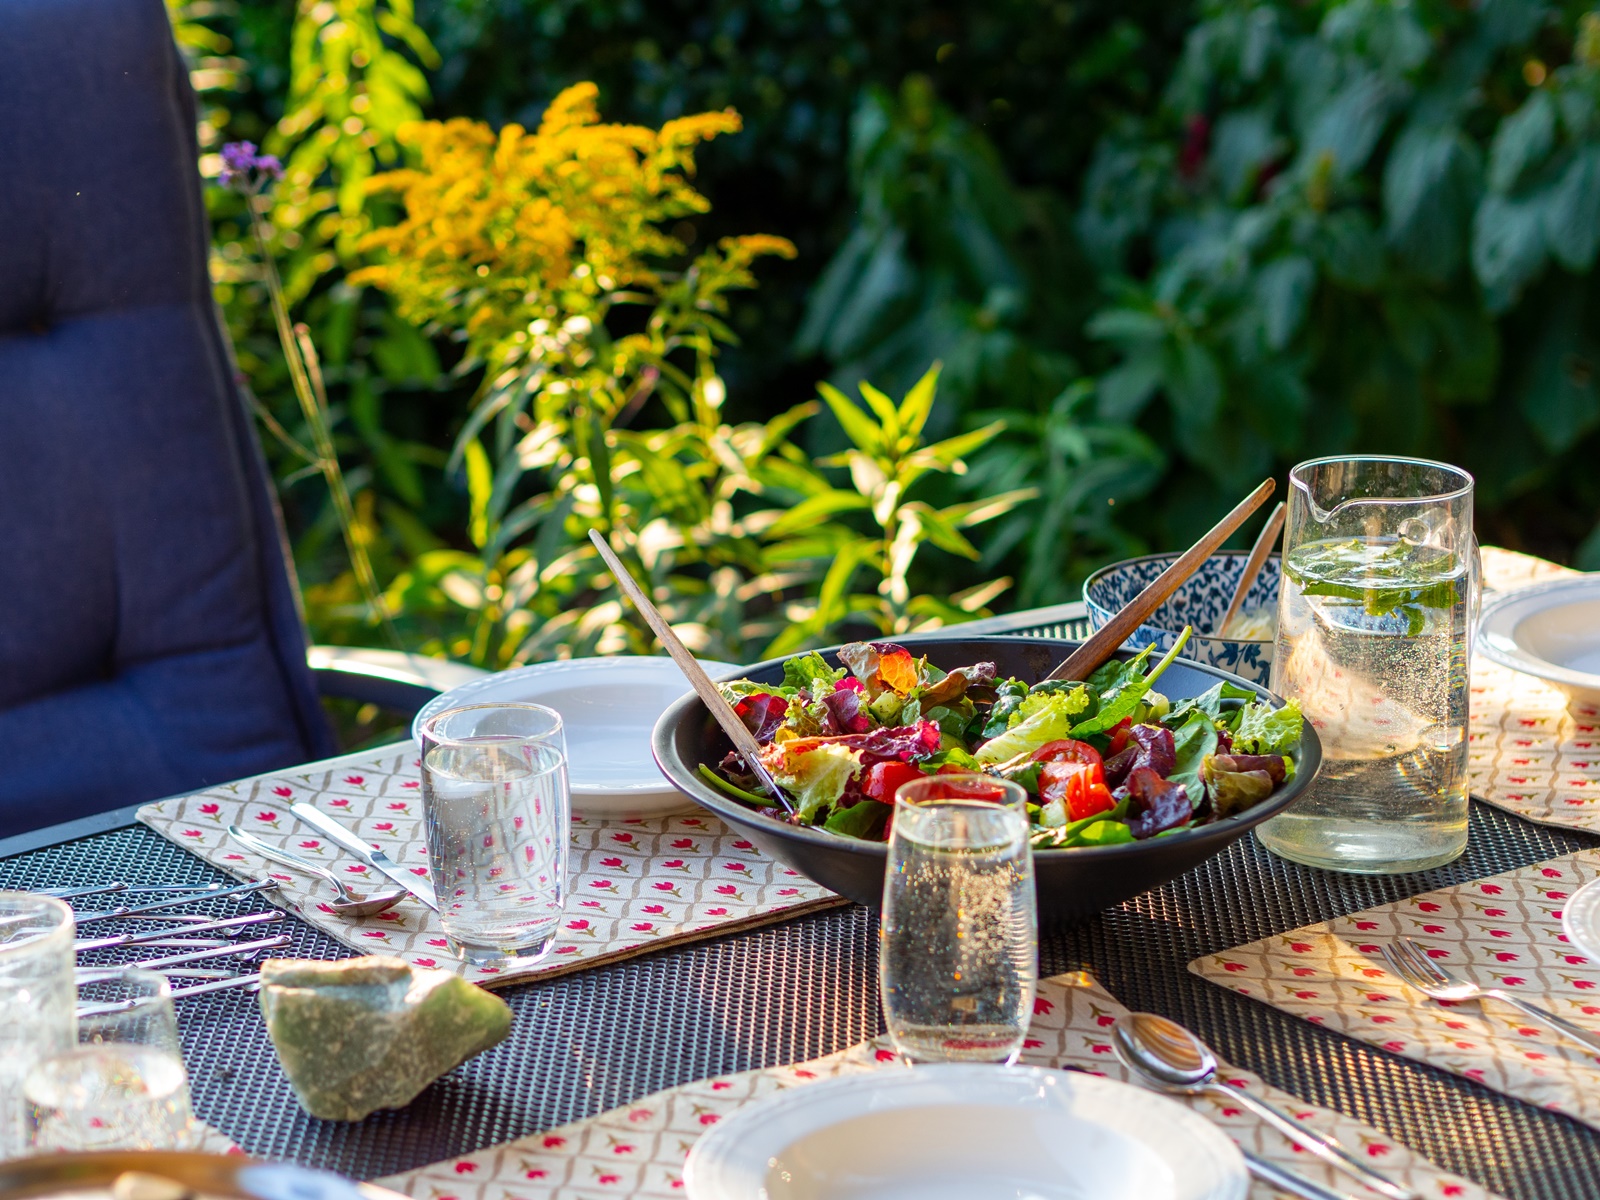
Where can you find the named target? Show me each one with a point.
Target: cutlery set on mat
(207, 951)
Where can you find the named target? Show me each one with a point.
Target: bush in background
(1174, 250)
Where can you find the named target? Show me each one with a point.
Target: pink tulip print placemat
(1527, 752)
(1504, 931)
(636, 885)
(638, 1150)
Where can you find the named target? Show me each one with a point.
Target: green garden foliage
(1166, 249)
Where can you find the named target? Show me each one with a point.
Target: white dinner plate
(965, 1132)
(1548, 630)
(1580, 920)
(608, 707)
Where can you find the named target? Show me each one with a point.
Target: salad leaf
(1267, 730)
(1212, 703)
(1008, 698)
(1234, 790)
(844, 706)
(811, 673)
(1102, 833)
(762, 714)
(1038, 699)
(1051, 720)
(816, 776)
(1129, 690)
(864, 819)
(1194, 740)
(955, 756)
(1158, 804)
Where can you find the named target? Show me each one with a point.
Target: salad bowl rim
(1168, 557)
(662, 738)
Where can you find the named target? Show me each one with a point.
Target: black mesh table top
(590, 1041)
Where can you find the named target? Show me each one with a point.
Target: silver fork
(1410, 962)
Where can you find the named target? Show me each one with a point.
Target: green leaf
(1194, 385)
(1126, 325)
(1430, 185)
(1123, 392)
(1507, 247)
(813, 508)
(1571, 215)
(857, 426)
(1522, 142)
(864, 819)
(1283, 290)
(480, 486)
(914, 409)
(1193, 739)
(1266, 730)
(884, 409)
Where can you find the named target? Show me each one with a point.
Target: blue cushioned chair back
(149, 637)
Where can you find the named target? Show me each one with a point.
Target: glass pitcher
(1375, 612)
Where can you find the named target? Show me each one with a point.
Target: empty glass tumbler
(1375, 612)
(36, 1000)
(496, 809)
(958, 955)
(123, 1086)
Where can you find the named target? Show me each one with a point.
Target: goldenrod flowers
(504, 229)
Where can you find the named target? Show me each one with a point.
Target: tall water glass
(36, 1000)
(496, 808)
(958, 949)
(123, 1086)
(1375, 612)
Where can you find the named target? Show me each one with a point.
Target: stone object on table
(362, 1034)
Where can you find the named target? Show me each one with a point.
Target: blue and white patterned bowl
(1202, 601)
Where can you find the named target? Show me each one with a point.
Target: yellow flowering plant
(520, 244)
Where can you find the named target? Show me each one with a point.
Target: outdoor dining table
(589, 1041)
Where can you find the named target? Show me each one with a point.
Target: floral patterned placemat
(1527, 752)
(638, 1150)
(1504, 931)
(635, 885)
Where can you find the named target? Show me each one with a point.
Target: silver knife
(373, 857)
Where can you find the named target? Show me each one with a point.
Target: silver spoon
(1167, 1055)
(346, 903)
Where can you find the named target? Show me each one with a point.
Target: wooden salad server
(1081, 663)
(1252, 565)
(743, 740)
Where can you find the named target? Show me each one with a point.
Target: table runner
(1527, 753)
(1504, 931)
(638, 1150)
(636, 885)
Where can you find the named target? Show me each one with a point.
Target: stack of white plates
(608, 706)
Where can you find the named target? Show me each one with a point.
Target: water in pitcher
(1372, 641)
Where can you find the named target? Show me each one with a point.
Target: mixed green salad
(1104, 761)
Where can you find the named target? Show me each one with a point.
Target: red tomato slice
(1120, 733)
(884, 779)
(962, 786)
(1067, 750)
(1081, 787)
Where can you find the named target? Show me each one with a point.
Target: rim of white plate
(472, 691)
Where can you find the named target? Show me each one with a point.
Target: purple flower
(242, 167)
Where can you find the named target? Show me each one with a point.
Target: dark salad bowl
(1070, 883)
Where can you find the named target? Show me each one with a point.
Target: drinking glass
(958, 951)
(123, 1086)
(1375, 612)
(36, 999)
(496, 808)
